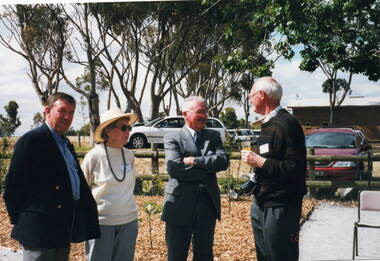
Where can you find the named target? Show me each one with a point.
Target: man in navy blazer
(192, 196)
(46, 195)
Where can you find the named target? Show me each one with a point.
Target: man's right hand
(189, 161)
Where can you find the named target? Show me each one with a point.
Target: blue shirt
(71, 164)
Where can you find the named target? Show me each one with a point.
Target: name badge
(264, 148)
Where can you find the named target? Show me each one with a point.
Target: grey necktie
(198, 139)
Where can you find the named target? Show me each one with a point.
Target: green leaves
(152, 208)
(8, 125)
(344, 34)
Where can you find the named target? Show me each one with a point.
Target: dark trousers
(276, 232)
(201, 233)
(45, 254)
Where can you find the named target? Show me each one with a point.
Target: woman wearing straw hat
(109, 171)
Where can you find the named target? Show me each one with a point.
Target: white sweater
(115, 200)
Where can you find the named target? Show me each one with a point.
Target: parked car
(154, 131)
(241, 134)
(139, 123)
(338, 142)
(256, 133)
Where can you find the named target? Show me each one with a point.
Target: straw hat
(109, 117)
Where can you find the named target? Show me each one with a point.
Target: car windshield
(151, 122)
(245, 132)
(330, 140)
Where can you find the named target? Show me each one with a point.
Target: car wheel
(138, 141)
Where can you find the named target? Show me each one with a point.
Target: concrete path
(328, 234)
(7, 254)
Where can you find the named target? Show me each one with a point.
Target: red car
(342, 142)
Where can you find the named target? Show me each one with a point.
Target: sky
(16, 85)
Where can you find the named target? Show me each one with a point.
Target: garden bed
(233, 235)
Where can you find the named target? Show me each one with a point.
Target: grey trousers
(116, 243)
(276, 232)
(45, 254)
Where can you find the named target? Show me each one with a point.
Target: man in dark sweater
(280, 161)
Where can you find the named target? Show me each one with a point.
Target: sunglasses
(124, 127)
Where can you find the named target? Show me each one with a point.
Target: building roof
(324, 102)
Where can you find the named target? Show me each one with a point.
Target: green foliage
(71, 132)
(41, 24)
(8, 125)
(152, 187)
(38, 119)
(335, 35)
(85, 130)
(329, 85)
(229, 118)
(247, 35)
(3, 161)
(228, 184)
(243, 124)
(230, 144)
(151, 208)
(38, 33)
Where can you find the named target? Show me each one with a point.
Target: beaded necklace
(109, 162)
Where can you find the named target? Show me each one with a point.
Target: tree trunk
(93, 111)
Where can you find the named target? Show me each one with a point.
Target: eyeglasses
(124, 127)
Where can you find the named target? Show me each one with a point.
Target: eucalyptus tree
(38, 33)
(85, 50)
(243, 47)
(123, 27)
(173, 51)
(198, 70)
(227, 46)
(146, 45)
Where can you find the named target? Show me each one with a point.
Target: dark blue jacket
(39, 199)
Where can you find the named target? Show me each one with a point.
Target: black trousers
(200, 233)
(276, 232)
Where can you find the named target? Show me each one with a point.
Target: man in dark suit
(192, 196)
(46, 195)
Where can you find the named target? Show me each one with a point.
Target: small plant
(151, 208)
(153, 187)
(230, 184)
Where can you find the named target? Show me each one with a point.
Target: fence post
(311, 173)
(154, 158)
(79, 143)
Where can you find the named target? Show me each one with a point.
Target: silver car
(154, 131)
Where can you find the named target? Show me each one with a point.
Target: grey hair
(270, 86)
(188, 102)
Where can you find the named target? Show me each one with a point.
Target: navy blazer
(183, 185)
(39, 199)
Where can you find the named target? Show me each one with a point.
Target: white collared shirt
(272, 114)
(192, 132)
